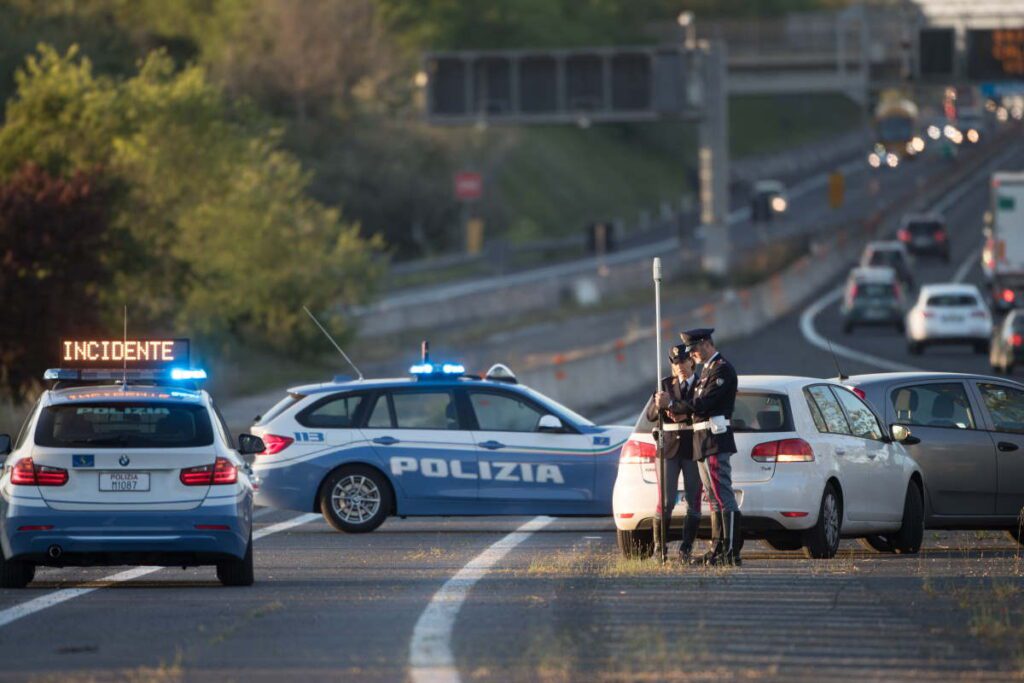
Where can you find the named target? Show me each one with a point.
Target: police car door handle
(492, 445)
(386, 440)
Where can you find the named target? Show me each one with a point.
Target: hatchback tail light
(637, 452)
(1017, 339)
(786, 450)
(220, 472)
(904, 235)
(275, 444)
(1008, 295)
(27, 473)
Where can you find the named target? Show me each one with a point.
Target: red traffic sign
(469, 185)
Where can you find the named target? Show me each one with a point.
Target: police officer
(677, 448)
(711, 408)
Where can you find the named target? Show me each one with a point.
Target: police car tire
(907, 541)
(783, 541)
(378, 479)
(237, 572)
(636, 544)
(817, 545)
(16, 573)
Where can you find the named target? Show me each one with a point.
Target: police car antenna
(331, 339)
(835, 359)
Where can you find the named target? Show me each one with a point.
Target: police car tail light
(637, 452)
(221, 472)
(275, 444)
(785, 450)
(27, 473)
(1017, 339)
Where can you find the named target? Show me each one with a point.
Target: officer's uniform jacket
(714, 394)
(675, 443)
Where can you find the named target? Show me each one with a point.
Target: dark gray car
(968, 439)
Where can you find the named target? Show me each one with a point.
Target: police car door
(522, 468)
(418, 434)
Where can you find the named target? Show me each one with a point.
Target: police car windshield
(756, 412)
(124, 425)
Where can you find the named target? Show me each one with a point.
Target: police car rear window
(755, 412)
(124, 425)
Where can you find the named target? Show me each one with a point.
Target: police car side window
(23, 434)
(425, 410)
(503, 413)
(831, 411)
(223, 426)
(380, 416)
(336, 412)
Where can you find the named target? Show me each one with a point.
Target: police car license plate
(124, 481)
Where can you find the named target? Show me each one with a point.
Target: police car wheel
(907, 541)
(16, 573)
(237, 572)
(636, 544)
(821, 542)
(877, 543)
(355, 499)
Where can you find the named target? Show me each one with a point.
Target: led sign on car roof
(137, 352)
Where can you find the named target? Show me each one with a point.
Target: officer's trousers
(716, 473)
(692, 485)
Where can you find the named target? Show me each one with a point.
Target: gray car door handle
(1007, 446)
(386, 440)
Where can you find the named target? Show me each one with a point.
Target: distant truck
(895, 130)
(1004, 244)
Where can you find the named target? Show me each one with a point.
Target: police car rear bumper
(199, 536)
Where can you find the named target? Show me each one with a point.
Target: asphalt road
(487, 599)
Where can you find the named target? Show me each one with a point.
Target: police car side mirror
(550, 423)
(5, 444)
(250, 445)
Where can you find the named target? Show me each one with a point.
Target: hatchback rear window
(755, 412)
(953, 300)
(124, 425)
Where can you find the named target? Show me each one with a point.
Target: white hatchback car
(813, 465)
(949, 314)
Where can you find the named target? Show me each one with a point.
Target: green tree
(215, 233)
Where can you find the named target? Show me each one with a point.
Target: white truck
(1003, 255)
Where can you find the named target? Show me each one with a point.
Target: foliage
(215, 231)
(52, 266)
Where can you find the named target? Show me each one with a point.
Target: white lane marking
(16, 612)
(813, 337)
(965, 267)
(430, 653)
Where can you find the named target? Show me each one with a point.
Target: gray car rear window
(755, 412)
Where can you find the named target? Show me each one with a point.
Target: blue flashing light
(61, 374)
(453, 369)
(187, 374)
(421, 369)
(437, 369)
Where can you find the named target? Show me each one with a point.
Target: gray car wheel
(821, 541)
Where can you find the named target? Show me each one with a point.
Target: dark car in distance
(968, 439)
(925, 234)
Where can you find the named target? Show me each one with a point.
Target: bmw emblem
(124, 460)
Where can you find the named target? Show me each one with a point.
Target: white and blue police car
(126, 465)
(439, 442)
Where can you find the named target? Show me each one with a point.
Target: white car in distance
(813, 465)
(949, 314)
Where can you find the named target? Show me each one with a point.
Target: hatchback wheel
(821, 541)
(907, 541)
(636, 544)
(355, 499)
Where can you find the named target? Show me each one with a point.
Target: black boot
(732, 539)
(711, 556)
(690, 527)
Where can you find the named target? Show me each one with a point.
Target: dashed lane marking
(430, 652)
(57, 597)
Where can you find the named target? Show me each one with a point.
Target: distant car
(925, 234)
(968, 439)
(437, 443)
(1007, 347)
(873, 296)
(949, 314)
(813, 464)
(891, 254)
(768, 197)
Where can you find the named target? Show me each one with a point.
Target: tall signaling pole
(659, 439)
(713, 154)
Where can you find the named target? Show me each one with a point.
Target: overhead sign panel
(936, 52)
(995, 54)
(555, 86)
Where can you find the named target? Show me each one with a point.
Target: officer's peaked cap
(677, 353)
(695, 336)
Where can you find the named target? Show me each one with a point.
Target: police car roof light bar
(331, 339)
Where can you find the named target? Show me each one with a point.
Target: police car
(439, 442)
(813, 465)
(126, 465)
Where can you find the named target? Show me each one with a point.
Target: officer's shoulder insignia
(719, 381)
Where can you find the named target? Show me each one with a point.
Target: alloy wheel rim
(831, 512)
(355, 498)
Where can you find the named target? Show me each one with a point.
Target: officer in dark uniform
(711, 408)
(677, 447)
